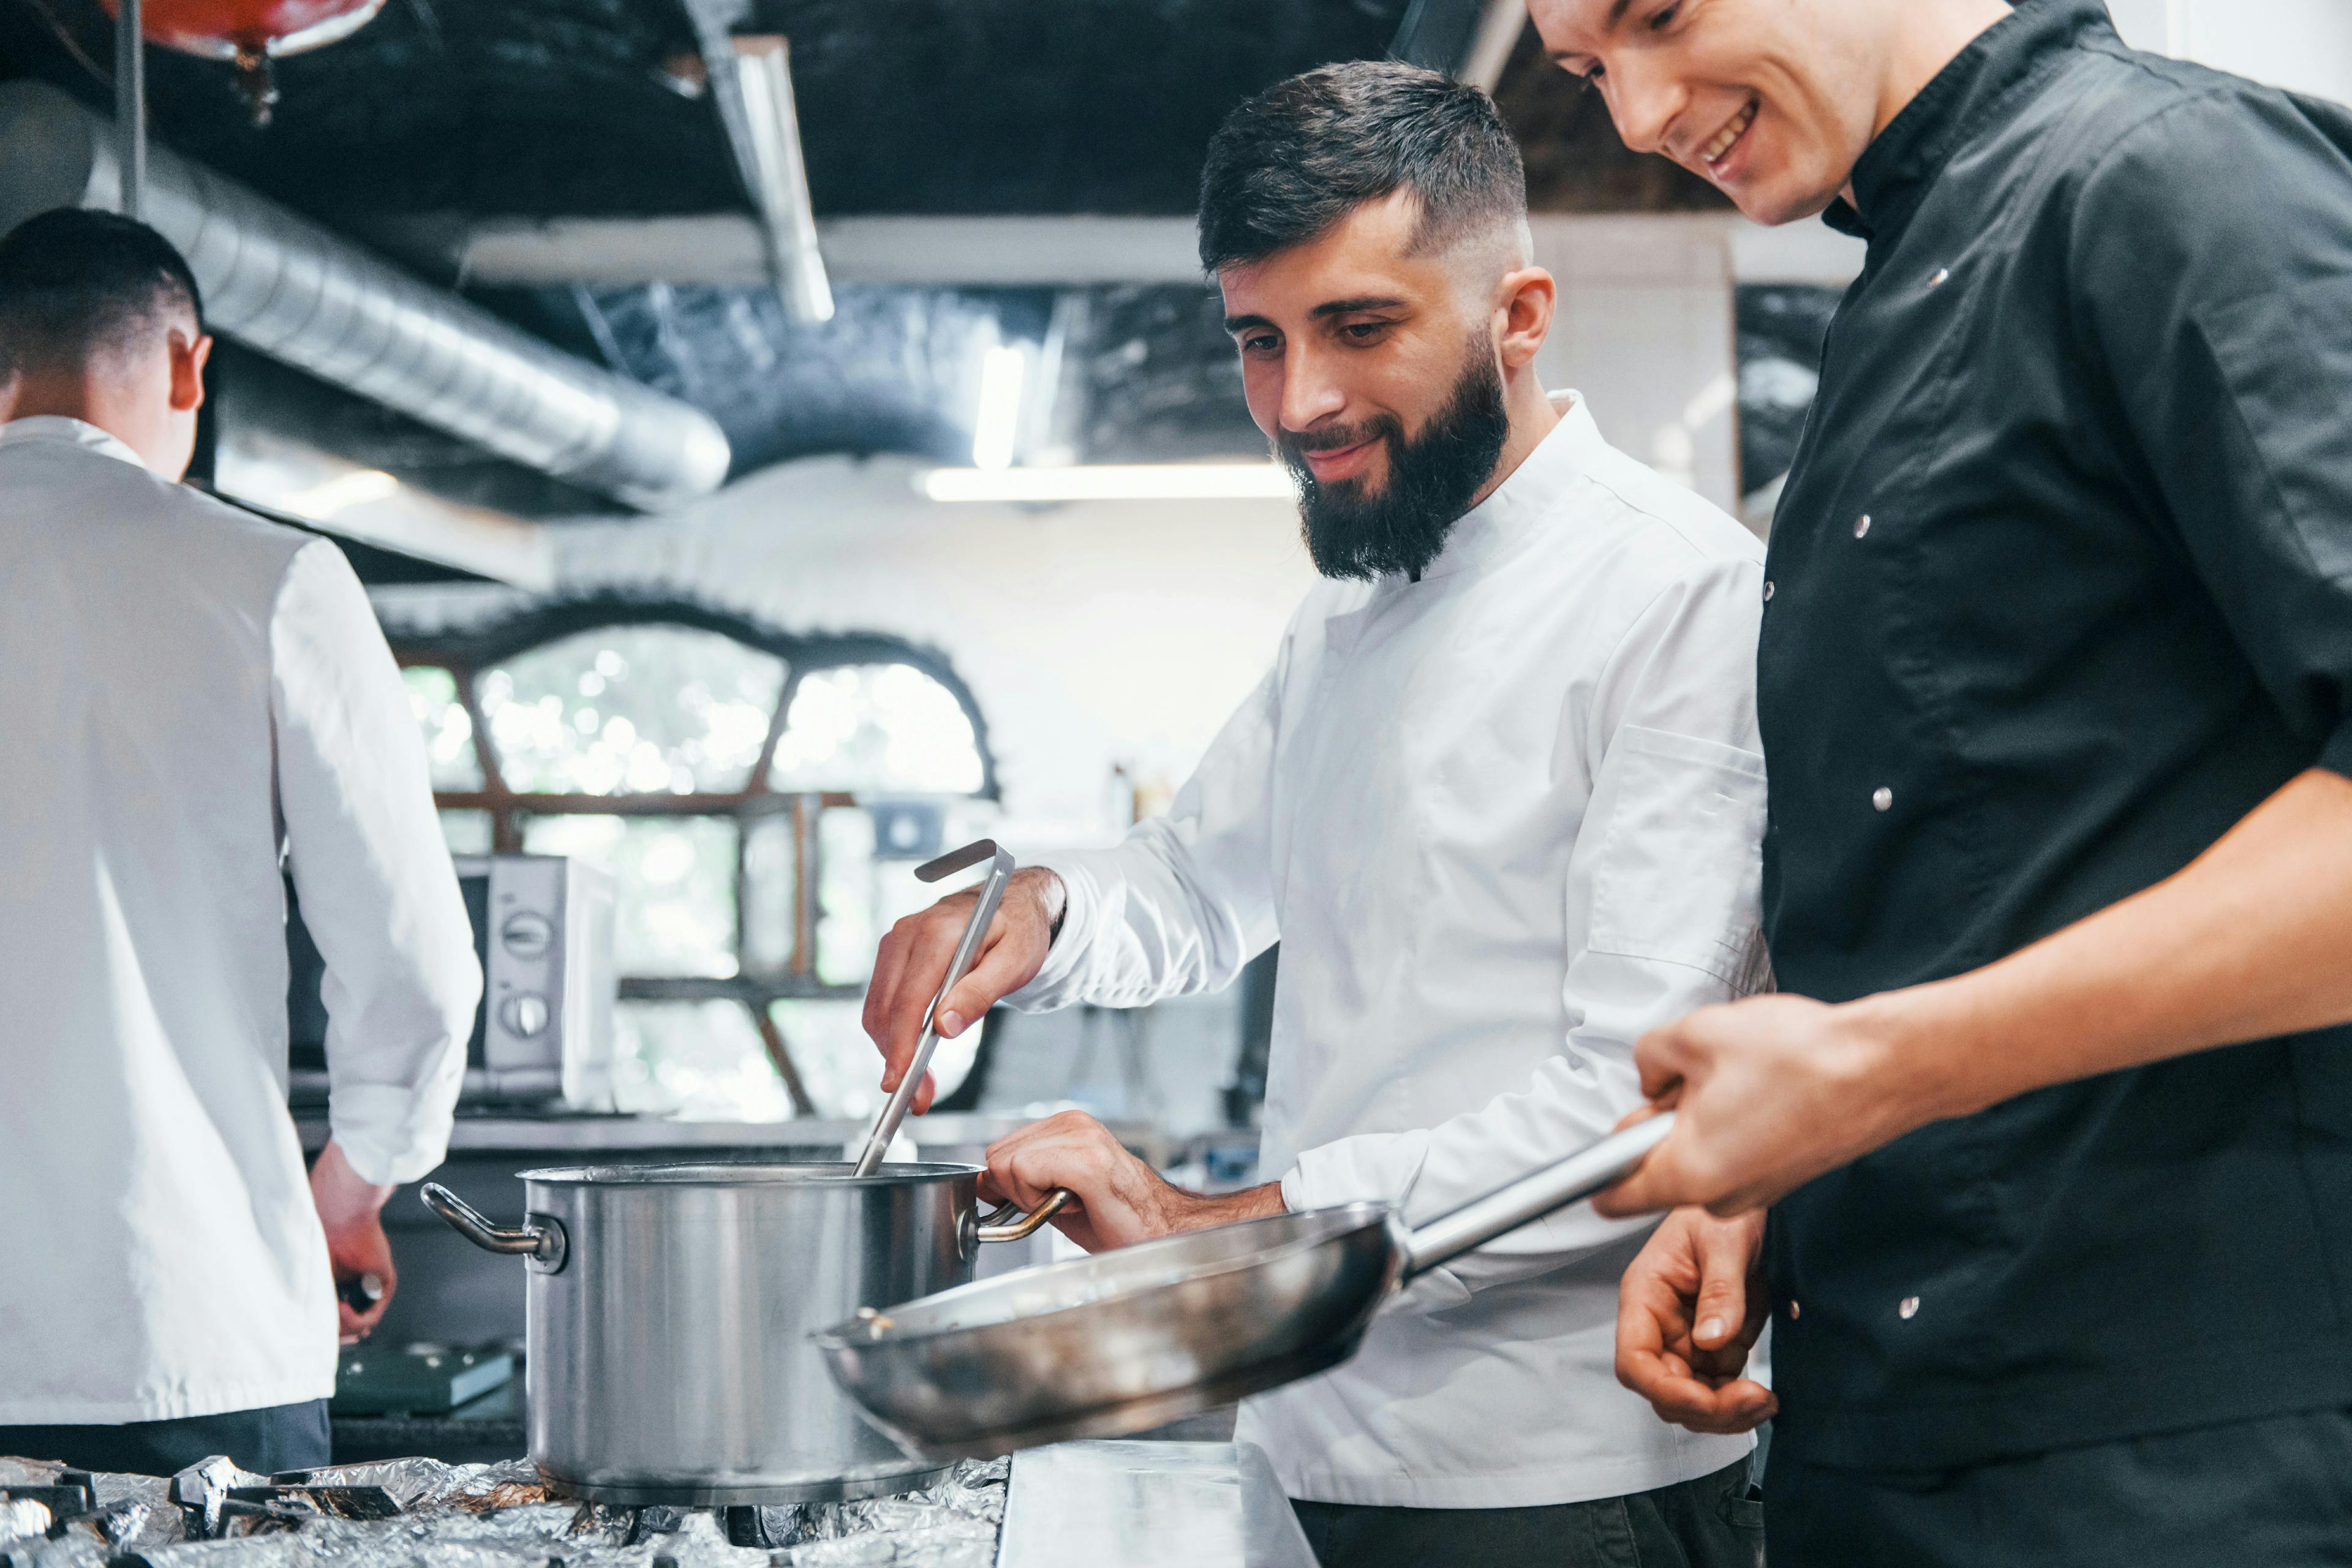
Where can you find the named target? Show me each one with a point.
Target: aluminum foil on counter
(951, 1525)
(423, 1513)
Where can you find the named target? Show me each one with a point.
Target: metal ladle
(894, 1111)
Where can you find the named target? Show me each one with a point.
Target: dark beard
(1401, 527)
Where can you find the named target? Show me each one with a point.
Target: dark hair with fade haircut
(1292, 162)
(75, 285)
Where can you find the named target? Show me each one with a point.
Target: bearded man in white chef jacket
(187, 692)
(1500, 799)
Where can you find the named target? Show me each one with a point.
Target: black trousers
(1710, 1522)
(277, 1437)
(2275, 1493)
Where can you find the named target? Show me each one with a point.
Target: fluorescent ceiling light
(998, 421)
(363, 487)
(1108, 481)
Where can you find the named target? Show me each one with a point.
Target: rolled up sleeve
(377, 888)
(1663, 894)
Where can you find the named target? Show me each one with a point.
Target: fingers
(361, 1252)
(1654, 1185)
(1071, 1150)
(1721, 1313)
(1678, 1397)
(1008, 960)
(1653, 1325)
(356, 1326)
(1663, 1058)
(881, 984)
(1025, 1165)
(913, 960)
(1675, 1278)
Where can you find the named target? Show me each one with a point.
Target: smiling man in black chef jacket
(187, 692)
(2056, 693)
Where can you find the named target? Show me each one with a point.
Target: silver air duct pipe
(291, 290)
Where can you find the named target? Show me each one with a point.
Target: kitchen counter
(1148, 1505)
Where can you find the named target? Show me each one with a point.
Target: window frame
(468, 653)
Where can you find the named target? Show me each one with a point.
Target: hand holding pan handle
(1531, 1197)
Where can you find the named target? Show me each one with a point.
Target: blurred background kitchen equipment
(671, 1308)
(543, 1034)
(1126, 1341)
(415, 1380)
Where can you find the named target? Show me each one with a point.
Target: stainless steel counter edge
(1148, 1505)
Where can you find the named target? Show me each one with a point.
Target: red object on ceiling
(251, 33)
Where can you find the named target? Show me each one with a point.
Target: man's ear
(188, 360)
(1528, 298)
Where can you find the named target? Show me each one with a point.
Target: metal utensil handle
(538, 1238)
(992, 1226)
(894, 1111)
(1532, 1197)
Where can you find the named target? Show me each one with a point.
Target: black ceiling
(1148, 373)
(1015, 106)
(578, 107)
(587, 108)
(524, 106)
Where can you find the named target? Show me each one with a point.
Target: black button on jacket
(2061, 589)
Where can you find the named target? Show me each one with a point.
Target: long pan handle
(1000, 871)
(1529, 1198)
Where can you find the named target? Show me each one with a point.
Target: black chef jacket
(2060, 589)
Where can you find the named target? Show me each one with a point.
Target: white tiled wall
(1644, 331)
(2303, 44)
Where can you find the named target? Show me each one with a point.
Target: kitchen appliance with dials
(543, 1034)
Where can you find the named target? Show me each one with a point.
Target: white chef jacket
(1504, 820)
(184, 689)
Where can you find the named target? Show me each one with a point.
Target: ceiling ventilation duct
(291, 290)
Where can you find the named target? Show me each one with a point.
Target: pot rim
(750, 1173)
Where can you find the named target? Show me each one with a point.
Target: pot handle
(539, 1238)
(992, 1226)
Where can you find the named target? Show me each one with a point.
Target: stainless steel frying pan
(1103, 1346)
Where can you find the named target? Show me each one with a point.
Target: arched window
(760, 799)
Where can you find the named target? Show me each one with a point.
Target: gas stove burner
(833, 1484)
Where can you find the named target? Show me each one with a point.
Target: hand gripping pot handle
(993, 1227)
(540, 1237)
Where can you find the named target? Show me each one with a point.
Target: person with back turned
(188, 694)
(2054, 1119)
(1498, 797)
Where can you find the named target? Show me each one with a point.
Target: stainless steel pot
(670, 1308)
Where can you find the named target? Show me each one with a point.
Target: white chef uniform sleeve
(374, 878)
(1184, 900)
(1664, 893)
